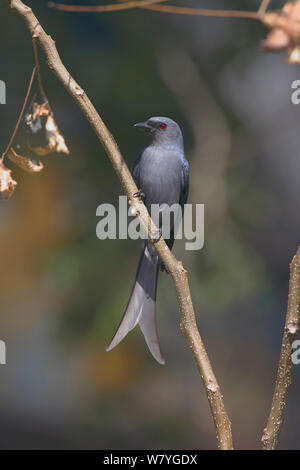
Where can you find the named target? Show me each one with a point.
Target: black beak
(143, 126)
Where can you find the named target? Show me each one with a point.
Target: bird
(161, 173)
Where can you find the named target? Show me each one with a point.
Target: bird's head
(162, 130)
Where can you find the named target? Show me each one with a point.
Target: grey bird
(161, 172)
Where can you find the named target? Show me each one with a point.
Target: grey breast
(160, 175)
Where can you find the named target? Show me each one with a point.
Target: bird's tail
(141, 307)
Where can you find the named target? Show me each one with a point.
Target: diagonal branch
(175, 268)
(283, 380)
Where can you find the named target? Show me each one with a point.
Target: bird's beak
(143, 126)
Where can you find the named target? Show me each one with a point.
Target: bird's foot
(163, 268)
(156, 235)
(140, 195)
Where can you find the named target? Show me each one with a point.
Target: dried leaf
(56, 140)
(24, 163)
(7, 184)
(294, 56)
(285, 31)
(33, 119)
(44, 131)
(277, 40)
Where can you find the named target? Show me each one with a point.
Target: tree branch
(283, 380)
(178, 273)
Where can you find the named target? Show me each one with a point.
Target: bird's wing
(185, 177)
(136, 169)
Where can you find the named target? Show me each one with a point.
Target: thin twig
(175, 268)
(283, 380)
(150, 5)
(37, 63)
(263, 8)
(252, 15)
(20, 115)
(102, 8)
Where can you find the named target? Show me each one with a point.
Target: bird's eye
(163, 126)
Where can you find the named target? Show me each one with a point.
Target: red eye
(163, 126)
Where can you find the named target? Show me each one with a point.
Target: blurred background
(63, 291)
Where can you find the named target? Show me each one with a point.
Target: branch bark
(283, 380)
(175, 268)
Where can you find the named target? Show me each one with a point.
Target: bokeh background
(63, 291)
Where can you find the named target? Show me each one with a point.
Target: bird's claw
(163, 268)
(140, 195)
(156, 236)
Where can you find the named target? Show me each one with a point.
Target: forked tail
(141, 307)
